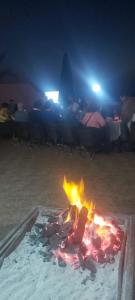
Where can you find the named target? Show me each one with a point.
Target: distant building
(20, 90)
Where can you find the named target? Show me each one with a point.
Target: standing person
(36, 112)
(99, 132)
(74, 106)
(49, 116)
(21, 114)
(20, 125)
(71, 113)
(36, 123)
(12, 106)
(127, 110)
(93, 117)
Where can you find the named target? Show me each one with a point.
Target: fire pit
(72, 254)
(80, 235)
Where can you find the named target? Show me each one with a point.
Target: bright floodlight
(96, 88)
(53, 95)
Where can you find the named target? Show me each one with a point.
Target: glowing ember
(85, 235)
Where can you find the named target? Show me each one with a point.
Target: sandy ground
(33, 176)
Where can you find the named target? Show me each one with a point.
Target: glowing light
(53, 95)
(96, 88)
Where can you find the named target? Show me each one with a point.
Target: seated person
(21, 115)
(4, 113)
(93, 118)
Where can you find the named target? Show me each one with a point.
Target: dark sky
(99, 37)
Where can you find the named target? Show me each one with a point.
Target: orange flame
(75, 194)
(98, 232)
(67, 218)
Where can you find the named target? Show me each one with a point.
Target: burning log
(77, 235)
(68, 215)
(51, 229)
(73, 212)
(65, 230)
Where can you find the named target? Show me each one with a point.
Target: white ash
(29, 274)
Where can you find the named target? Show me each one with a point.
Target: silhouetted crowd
(78, 123)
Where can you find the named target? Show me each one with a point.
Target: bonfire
(80, 235)
(69, 254)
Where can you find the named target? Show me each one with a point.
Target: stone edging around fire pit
(128, 282)
(14, 237)
(127, 259)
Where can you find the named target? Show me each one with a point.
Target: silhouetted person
(93, 117)
(21, 115)
(94, 120)
(12, 106)
(36, 112)
(4, 113)
(49, 115)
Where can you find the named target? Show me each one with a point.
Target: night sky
(99, 37)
